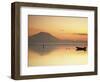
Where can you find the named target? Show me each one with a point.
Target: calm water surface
(47, 55)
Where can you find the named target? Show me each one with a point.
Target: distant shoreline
(69, 44)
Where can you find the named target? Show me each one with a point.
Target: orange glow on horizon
(73, 28)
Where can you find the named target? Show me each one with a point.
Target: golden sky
(62, 27)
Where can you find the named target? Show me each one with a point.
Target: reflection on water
(44, 55)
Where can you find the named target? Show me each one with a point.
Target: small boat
(81, 48)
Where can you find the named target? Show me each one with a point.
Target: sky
(62, 27)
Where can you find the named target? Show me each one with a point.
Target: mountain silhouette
(42, 37)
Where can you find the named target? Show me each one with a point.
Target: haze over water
(56, 55)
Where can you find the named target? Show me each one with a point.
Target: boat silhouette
(81, 48)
